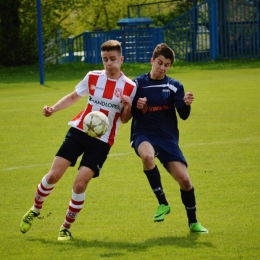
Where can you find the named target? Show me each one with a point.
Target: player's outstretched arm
(64, 102)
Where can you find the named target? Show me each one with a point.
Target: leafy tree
(104, 14)
(18, 28)
(178, 8)
(99, 14)
(61, 19)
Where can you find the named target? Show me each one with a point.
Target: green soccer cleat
(64, 234)
(197, 228)
(162, 210)
(27, 220)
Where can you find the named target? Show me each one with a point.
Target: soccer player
(110, 92)
(155, 132)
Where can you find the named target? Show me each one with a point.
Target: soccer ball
(95, 124)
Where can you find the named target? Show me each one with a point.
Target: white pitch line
(245, 140)
(118, 154)
(40, 165)
(122, 154)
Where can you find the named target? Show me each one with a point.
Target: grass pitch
(220, 141)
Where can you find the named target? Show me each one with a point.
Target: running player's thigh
(179, 171)
(145, 149)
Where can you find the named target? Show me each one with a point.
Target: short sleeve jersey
(104, 95)
(158, 119)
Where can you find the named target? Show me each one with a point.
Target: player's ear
(122, 59)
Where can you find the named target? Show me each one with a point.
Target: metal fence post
(70, 49)
(40, 41)
(213, 28)
(87, 47)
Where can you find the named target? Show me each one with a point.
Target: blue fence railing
(214, 29)
(190, 35)
(137, 45)
(239, 29)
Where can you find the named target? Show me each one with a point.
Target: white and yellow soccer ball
(95, 124)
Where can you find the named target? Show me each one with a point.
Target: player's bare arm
(64, 102)
(188, 98)
(126, 114)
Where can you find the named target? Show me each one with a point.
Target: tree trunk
(9, 32)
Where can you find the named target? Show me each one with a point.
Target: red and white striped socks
(76, 203)
(75, 206)
(43, 191)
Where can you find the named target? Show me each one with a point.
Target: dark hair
(111, 45)
(164, 50)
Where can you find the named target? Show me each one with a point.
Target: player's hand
(47, 111)
(126, 101)
(141, 102)
(188, 98)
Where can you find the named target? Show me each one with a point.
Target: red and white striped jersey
(104, 95)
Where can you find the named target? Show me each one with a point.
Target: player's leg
(43, 190)
(146, 152)
(179, 172)
(91, 163)
(76, 202)
(66, 156)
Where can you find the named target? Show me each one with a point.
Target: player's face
(160, 66)
(112, 61)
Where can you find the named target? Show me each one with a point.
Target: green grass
(220, 141)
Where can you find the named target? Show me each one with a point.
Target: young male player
(155, 132)
(110, 92)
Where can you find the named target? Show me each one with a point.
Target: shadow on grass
(190, 241)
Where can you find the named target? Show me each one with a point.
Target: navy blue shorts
(77, 143)
(164, 151)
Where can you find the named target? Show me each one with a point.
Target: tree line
(64, 18)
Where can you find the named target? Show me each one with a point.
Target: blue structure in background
(139, 22)
(40, 43)
(214, 29)
(136, 37)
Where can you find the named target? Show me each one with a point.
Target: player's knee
(185, 184)
(148, 159)
(52, 177)
(79, 187)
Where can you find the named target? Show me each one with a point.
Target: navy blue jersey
(158, 118)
